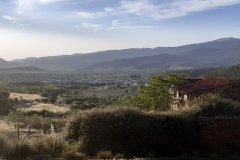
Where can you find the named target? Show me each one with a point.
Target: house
(196, 87)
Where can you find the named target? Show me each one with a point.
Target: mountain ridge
(197, 58)
(183, 57)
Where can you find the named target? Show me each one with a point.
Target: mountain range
(218, 53)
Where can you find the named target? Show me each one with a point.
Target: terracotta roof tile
(205, 85)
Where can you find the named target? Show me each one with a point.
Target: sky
(35, 28)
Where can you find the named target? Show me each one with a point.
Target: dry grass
(38, 106)
(53, 145)
(4, 127)
(49, 107)
(29, 97)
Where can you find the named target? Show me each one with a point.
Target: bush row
(131, 132)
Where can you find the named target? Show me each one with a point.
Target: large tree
(156, 95)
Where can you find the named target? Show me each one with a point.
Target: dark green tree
(5, 106)
(53, 97)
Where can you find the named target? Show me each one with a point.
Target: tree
(53, 97)
(156, 95)
(5, 107)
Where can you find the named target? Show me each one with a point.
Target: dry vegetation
(48, 107)
(108, 133)
(28, 97)
(4, 126)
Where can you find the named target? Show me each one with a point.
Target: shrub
(71, 152)
(72, 155)
(131, 132)
(55, 146)
(119, 156)
(20, 150)
(104, 155)
(51, 145)
(2, 145)
(210, 105)
(12, 149)
(35, 121)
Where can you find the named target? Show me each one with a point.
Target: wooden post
(52, 128)
(42, 132)
(18, 132)
(29, 130)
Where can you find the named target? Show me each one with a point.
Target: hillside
(197, 58)
(193, 72)
(22, 69)
(4, 63)
(218, 53)
(163, 58)
(230, 72)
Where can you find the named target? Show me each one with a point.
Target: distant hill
(229, 72)
(221, 52)
(197, 58)
(214, 54)
(232, 72)
(22, 69)
(4, 63)
(200, 72)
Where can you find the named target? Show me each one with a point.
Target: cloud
(14, 20)
(26, 3)
(172, 9)
(37, 2)
(120, 14)
(91, 26)
(115, 23)
(87, 15)
(159, 11)
(131, 27)
(11, 19)
(30, 5)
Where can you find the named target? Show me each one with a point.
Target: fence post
(52, 128)
(18, 132)
(29, 130)
(42, 131)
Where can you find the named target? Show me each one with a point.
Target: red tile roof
(205, 85)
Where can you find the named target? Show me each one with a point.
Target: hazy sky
(33, 28)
